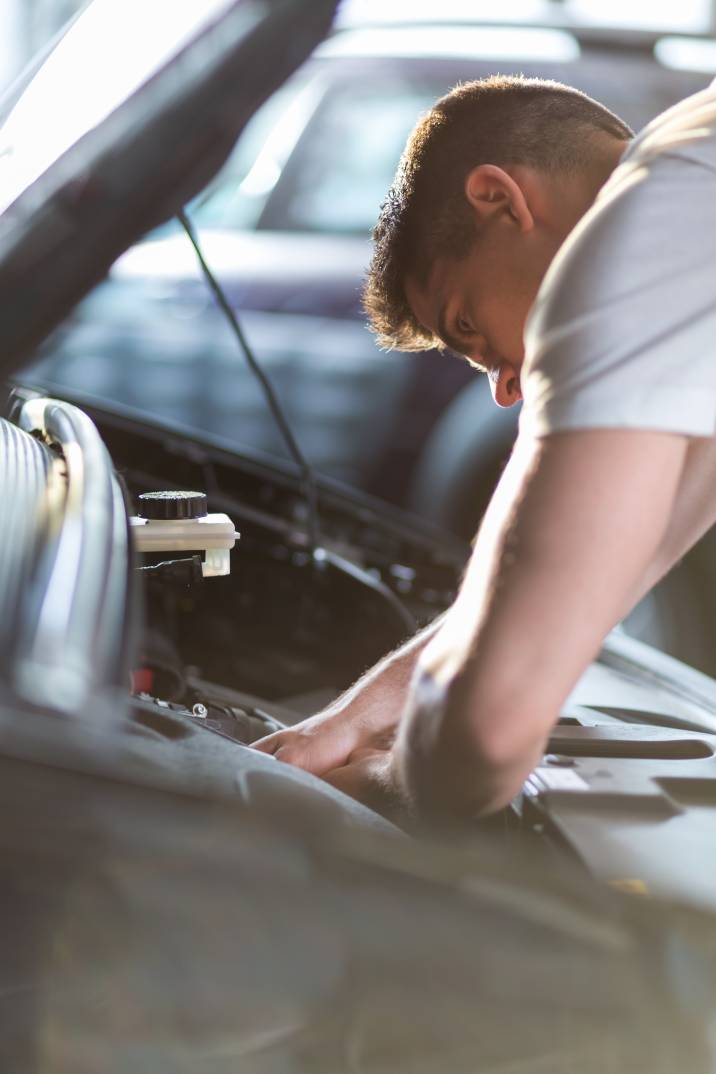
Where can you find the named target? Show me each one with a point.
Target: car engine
(243, 648)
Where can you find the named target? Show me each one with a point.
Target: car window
(285, 173)
(238, 195)
(323, 189)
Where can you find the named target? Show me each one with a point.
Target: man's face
(478, 305)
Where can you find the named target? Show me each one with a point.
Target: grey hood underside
(154, 151)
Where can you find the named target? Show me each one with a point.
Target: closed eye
(467, 335)
(461, 327)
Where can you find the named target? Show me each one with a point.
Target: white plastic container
(212, 534)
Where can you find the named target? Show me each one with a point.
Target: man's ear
(505, 384)
(492, 191)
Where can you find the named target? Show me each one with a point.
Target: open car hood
(138, 106)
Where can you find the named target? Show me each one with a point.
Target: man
(526, 232)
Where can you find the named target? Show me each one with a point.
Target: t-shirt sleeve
(623, 331)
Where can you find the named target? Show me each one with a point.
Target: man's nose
(514, 387)
(505, 385)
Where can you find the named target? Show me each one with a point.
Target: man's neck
(577, 199)
(609, 157)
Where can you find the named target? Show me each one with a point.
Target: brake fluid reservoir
(179, 522)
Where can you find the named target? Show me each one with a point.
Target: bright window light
(691, 16)
(686, 16)
(480, 42)
(686, 54)
(377, 12)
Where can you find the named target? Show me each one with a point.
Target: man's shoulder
(622, 331)
(688, 129)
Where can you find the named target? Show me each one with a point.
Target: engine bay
(626, 789)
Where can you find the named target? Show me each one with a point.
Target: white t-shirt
(623, 330)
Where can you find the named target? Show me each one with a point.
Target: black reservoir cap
(172, 505)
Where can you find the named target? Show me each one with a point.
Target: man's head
(492, 180)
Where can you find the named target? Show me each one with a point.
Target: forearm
(556, 564)
(377, 698)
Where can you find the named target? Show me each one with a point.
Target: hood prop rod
(308, 477)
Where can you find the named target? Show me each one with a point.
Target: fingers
(314, 746)
(269, 743)
(368, 778)
(323, 743)
(285, 746)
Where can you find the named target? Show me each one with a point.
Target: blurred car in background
(286, 225)
(286, 228)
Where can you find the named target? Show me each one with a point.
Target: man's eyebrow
(444, 332)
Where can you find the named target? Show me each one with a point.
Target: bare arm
(568, 544)
(369, 709)
(694, 511)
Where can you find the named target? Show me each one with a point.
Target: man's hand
(347, 754)
(370, 777)
(578, 522)
(365, 716)
(319, 744)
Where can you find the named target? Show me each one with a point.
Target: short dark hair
(499, 120)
